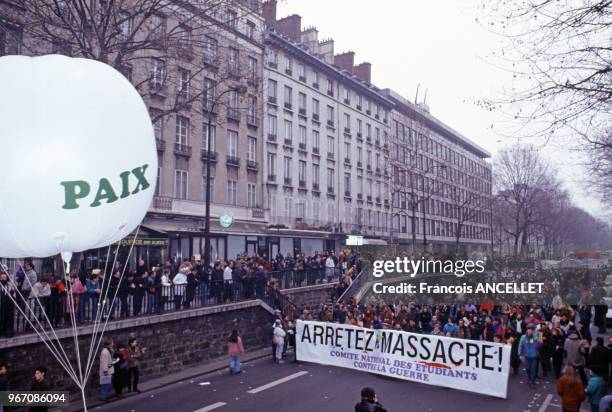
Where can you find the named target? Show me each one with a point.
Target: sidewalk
(159, 382)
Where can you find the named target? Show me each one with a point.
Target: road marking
(544, 405)
(277, 382)
(211, 407)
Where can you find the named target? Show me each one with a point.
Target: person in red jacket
(234, 350)
(570, 390)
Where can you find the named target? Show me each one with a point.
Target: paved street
(303, 387)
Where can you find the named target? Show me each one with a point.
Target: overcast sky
(441, 46)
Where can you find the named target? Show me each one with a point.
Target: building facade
(326, 142)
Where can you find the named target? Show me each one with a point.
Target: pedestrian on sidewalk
(121, 364)
(106, 369)
(134, 364)
(596, 389)
(369, 402)
(529, 351)
(570, 390)
(278, 338)
(575, 350)
(234, 350)
(39, 385)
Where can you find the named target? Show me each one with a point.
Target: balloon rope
(44, 312)
(75, 332)
(114, 297)
(48, 342)
(95, 329)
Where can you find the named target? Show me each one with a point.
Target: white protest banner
(474, 366)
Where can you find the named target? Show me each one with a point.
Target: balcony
(386, 202)
(271, 137)
(182, 150)
(289, 72)
(368, 112)
(330, 123)
(233, 114)
(369, 167)
(211, 61)
(330, 190)
(359, 136)
(252, 121)
(378, 200)
(302, 79)
(376, 116)
(347, 130)
(252, 165)
(161, 145)
(315, 150)
(358, 107)
(274, 65)
(369, 139)
(377, 143)
(347, 193)
(162, 202)
(253, 80)
(315, 85)
(347, 101)
(359, 196)
(330, 155)
(271, 178)
(288, 106)
(385, 120)
(288, 142)
(315, 187)
(369, 198)
(257, 213)
(272, 100)
(347, 160)
(302, 184)
(206, 155)
(330, 93)
(232, 161)
(360, 165)
(315, 117)
(302, 111)
(302, 146)
(287, 181)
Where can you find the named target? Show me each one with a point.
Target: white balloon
(78, 160)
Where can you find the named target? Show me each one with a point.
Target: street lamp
(240, 89)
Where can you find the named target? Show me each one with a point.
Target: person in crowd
(29, 279)
(600, 358)
(557, 340)
(369, 402)
(575, 352)
(4, 386)
(166, 285)
(235, 349)
(529, 351)
(40, 384)
(121, 360)
(330, 267)
(106, 369)
(596, 389)
(570, 390)
(278, 338)
(139, 291)
(190, 288)
(134, 354)
(7, 308)
(180, 283)
(94, 289)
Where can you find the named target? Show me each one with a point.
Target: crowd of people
(147, 291)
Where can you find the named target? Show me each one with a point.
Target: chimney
(363, 71)
(345, 60)
(268, 12)
(326, 50)
(290, 26)
(310, 39)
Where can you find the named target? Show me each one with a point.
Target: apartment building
(326, 130)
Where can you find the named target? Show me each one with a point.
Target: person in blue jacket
(596, 389)
(529, 352)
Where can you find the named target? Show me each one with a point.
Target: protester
(106, 369)
(39, 385)
(278, 338)
(575, 351)
(596, 389)
(369, 402)
(570, 390)
(600, 358)
(234, 351)
(134, 353)
(121, 367)
(529, 350)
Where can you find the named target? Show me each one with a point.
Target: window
(360, 185)
(315, 76)
(252, 68)
(368, 130)
(10, 39)
(315, 174)
(359, 100)
(315, 140)
(302, 102)
(158, 182)
(302, 72)
(369, 158)
(250, 29)
(288, 202)
(330, 87)
(213, 133)
(302, 172)
(208, 94)
(287, 167)
(359, 154)
(288, 131)
(252, 149)
(158, 27)
(271, 163)
(347, 120)
(330, 144)
(347, 95)
(232, 190)
(180, 184)
(347, 150)
(233, 99)
(231, 19)
(158, 125)
(233, 61)
(330, 179)
(158, 73)
(315, 106)
(210, 50)
(125, 27)
(272, 124)
(252, 109)
(288, 65)
(288, 95)
(183, 83)
(232, 143)
(315, 210)
(377, 160)
(272, 58)
(184, 37)
(251, 195)
(330, 114)
(359, 124)
(182, 130)
(272, 88)
(347, 182)
(302, 136)
(212, 188)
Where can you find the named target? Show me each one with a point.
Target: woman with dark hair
(234, 350)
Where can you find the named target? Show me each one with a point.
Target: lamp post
(240, 90)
